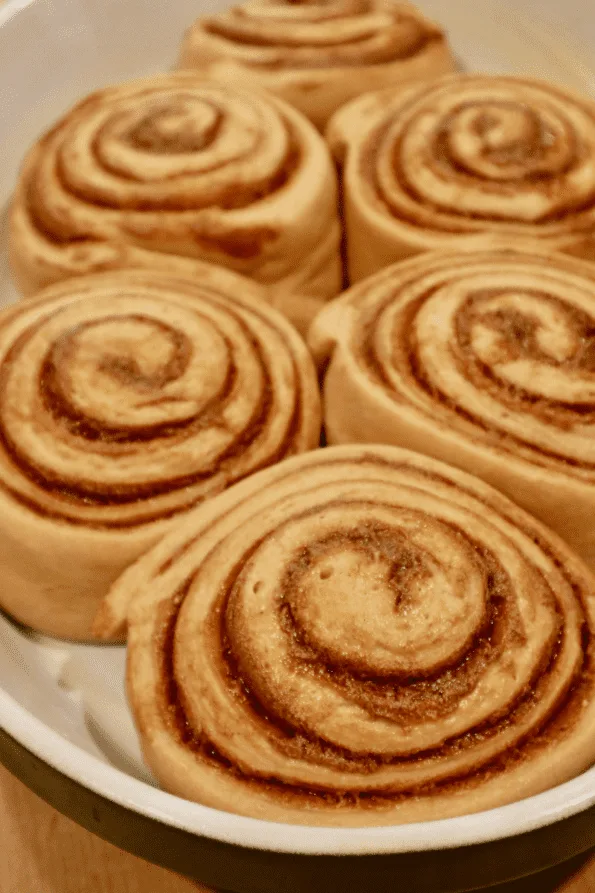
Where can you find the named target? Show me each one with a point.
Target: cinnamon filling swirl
(308, 35)
(317, 55)
(166, 171)
(465, 157)
(128, 400)
(484, 361)
(359, 636)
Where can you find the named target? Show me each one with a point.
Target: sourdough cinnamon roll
(360, 636)
(318, 55)
(467, 156)
(171, 168)
(126, 399)
(484, 359)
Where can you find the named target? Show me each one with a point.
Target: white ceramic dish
(67, 729)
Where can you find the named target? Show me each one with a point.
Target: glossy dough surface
(466, 156)
(360, 635)
(175, 167)
(318, 55)
(485, 360)
(125, 400)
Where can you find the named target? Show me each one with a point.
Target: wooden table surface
(43, 852)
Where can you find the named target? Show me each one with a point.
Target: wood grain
(44, 852)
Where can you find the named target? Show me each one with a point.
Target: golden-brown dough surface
(126, 399)
(469, 155)
(360, 636)
(484, 359)
(173, 168)
(318, 55)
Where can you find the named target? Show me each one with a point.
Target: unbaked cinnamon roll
(483, 359)
(175, 167)
(126, 399)
(360, 636)
(466, 156)
(318, 55)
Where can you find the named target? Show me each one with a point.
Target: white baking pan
(65, 728)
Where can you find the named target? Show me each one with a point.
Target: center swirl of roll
(379, 584)
(190, 125)
(501, 346)
(140, 359)
(471, 149)
(376, 607)
(504, 141)
(129, 401)
(184, 146)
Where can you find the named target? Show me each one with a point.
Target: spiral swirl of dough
(484, 359)
(469, 155)
(164, 170)
(318, 55)
(358, 636)
(128, 398)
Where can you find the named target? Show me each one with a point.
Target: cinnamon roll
(126, 399)
(318, 55)
(466, 156)
(360, 636)
(484, 359)
(171, 168)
